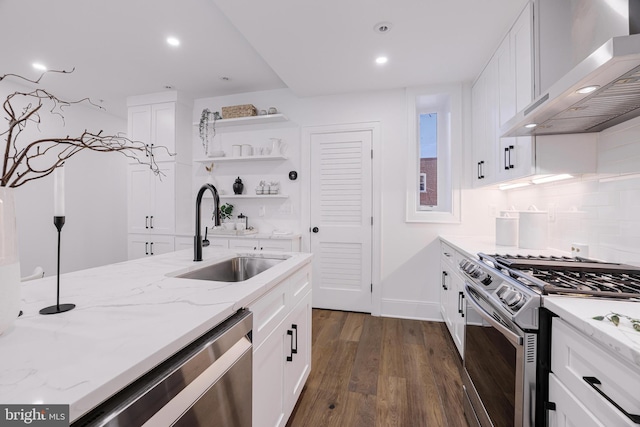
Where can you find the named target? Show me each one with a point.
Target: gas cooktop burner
(565, 275)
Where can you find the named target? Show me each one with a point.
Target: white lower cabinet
(282, 348)
(141, 245)
(589, 385)
(452, 304)
(568, 411)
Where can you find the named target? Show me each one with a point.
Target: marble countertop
(128, 318)
(577, 311)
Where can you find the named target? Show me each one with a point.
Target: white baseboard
(417, 310)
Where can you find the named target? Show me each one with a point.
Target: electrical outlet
(552, 212)
(286, 208)
(262, 211)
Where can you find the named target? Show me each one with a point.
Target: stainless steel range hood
(614, 68)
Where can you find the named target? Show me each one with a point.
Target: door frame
(376, 197)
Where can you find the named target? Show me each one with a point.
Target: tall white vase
(9, 264)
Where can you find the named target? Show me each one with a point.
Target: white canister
(506, 231)
(533, 229)
(236, 150)
(247, 150)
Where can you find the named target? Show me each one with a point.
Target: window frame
(446, 101)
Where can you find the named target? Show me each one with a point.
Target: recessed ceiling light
(382, 27)
(39, 66)
(531, 125)
(382, 60)
(173, 41)
(587, 89)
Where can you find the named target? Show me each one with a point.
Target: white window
(435, 140)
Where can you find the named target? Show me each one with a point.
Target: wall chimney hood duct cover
(614, 67)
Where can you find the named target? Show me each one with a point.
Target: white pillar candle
(58, 192)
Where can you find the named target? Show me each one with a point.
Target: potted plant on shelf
(205, 117)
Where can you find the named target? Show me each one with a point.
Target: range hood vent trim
(562, 111)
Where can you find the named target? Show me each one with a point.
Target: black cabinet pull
(481, 169)
(294, 350)
(444, 280)
(146, 248)
(290, 357)
(315, 229)
(593, 381)
(506, 162)
(151, 221)
(510, 164)
(151, 248)
(478, 170)
(147, 150)
(461, 303)
(146, 221)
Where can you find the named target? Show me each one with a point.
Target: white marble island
(128, 318)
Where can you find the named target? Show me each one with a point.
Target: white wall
(410, 263)
(96, 213)
(598, 211)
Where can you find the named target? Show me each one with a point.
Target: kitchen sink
(235, 269)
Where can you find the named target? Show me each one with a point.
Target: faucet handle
(205, 241)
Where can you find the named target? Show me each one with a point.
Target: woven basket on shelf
(239, 111)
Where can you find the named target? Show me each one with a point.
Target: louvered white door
(341, 209)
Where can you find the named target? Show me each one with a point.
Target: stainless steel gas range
(507, 336)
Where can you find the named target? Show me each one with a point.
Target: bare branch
(25, 162)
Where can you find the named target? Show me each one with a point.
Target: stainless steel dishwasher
(208, 383)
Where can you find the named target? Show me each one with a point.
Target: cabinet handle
(146, 248)
(593, 381)
(147, 150)
(151, 221)
(506, 162)
(151, 248)
(548, 407)
(146, 221)
(482, 169)
(479, 170)
(261, 248)
(294, 350)
(290, 357)
(444, 280)
(461, 303)
(255, 248)
(511, 147)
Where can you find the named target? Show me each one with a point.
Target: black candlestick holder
(58, 221)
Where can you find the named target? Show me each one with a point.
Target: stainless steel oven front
(499, 377)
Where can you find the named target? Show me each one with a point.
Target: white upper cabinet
(504, 87)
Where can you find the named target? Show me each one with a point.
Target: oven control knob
(463, 264)
(514, 299)
(486, 280)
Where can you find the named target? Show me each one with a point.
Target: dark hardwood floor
(375, 371)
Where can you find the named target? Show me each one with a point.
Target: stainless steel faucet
(197, 240)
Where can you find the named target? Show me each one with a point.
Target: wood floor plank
(414, 364)
(423, 399)
(392, 362)
(364, 377)
(446, 370)
(352, 328)
(391, 403)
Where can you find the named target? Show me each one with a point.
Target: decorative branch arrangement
(26, 160)
(615, 319)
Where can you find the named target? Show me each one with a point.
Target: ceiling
(118, 47)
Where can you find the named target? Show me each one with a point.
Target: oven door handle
(510, 335)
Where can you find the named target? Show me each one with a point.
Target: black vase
(238, 186)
